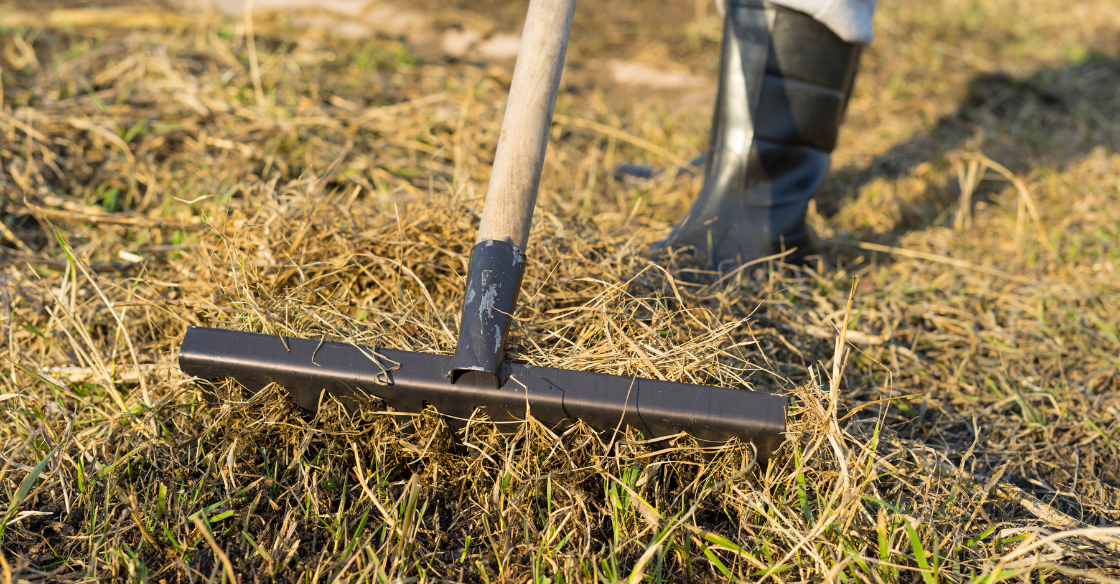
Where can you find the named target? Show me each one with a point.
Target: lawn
(952, 359)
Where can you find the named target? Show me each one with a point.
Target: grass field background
(952, 359)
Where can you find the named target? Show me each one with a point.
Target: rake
(477, 377)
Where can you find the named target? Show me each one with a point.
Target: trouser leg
(849, 19)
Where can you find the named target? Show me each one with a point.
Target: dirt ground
(322, 177)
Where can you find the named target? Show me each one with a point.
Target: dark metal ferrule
(493, 282)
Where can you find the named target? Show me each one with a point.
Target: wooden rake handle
(508, 212)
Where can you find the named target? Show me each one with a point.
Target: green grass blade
(920, 554)
(24, 489)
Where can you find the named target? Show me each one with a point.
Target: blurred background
(1030, 83)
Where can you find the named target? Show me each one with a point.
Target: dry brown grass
(958, 420)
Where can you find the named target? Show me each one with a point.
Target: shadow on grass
(1039, 124)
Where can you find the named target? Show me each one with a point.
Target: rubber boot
(784, 84)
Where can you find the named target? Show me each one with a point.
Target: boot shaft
(784, 83)
(784, 78)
